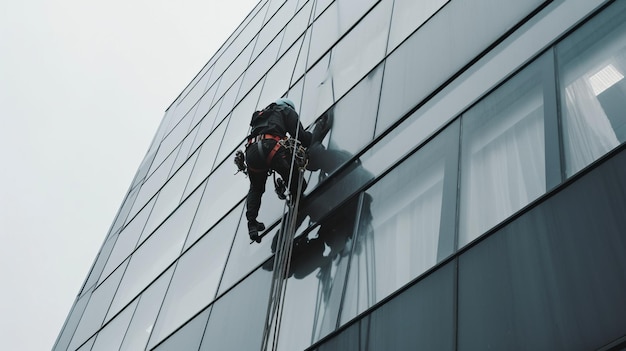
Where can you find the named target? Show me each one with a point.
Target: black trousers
(258, 173)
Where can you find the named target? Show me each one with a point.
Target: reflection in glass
(361, 49)
(408, 15)
(195, 280)
(70, 324)
(399, 234)
(151, 258)
(315, 285)
(237, 318)
(222, 192)
(188, 337)
(244, 256)
(97, 308)
(296, 27)
(593, 90)
(503, 153)
(110, 337)
(147, 309)
(127, 240)
(354, 116)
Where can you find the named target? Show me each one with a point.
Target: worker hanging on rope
(276, 132)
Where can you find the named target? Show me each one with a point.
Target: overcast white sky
(83, 87)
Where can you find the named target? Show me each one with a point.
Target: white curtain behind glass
(588, 131)
(503, 167)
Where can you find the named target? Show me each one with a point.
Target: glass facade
(474, 169)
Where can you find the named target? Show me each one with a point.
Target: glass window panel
(205, 104)
(110, 337)
(318, 91)
(195, 280)
(127, 205)
(206, 158)
(408, 15)
(399, 234)
(229, 100)
(141, 326)
(260, 66)
(99, 264)
(223, 191)
(458, 33)
(205, 127)
(187, 338)
(181, 219)
(71, 323)
(278, 78)
(127, 241)
(236, 132)
(183, 150)
(354, 116)
(170, 195)
(321, 5)
(172, 140)
(151, 259)
(317, 274)
(273, 27)
(326, 30)
(361, 49)
(152, 185)
(503, 153)
(234, 72)
(592, 64)
(237, 319)
(87, 346)
(97, 308)
(244, 255)
(296, 27)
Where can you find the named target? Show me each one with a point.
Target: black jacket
(279, 120)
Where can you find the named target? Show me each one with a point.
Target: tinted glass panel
(97, 308)
(503, 153)
(361, 49)
(593, 90)
(143, 320)
(296, 27)
(408, 15)
(188, 338)
(195, 280)
(110, 337)
(318, 269)
(400, 226)
(70, 324)
(223, 191)
(206, 158)
(239, 312)
(442, 46)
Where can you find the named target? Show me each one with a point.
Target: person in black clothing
(264, 153)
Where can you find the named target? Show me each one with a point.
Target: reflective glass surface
(223, 191)
(459, 32)
(592, 64)
(399, 232)
(195, 280)
(278, 78)
(183, 150)
(318, 270)
(188, 337)
(110, 337)
(127, 241)
(296, 27)
(149, 260)
(141, 325)
(206, 158)
(502, 153)
(244, 255)
(71, 323)
(361, 49)
(274, 26)
(127, 205)
(354, 116)
(408, 15)
(243, 307)
(260, 66)
(152, 185)
(99, 264)
(319, 93)
(97, 308)
(169, 196)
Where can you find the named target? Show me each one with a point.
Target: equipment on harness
(280, 187)
(240, 162)
(298, 151)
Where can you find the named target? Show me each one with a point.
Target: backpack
(260, 120)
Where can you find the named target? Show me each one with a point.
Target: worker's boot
(254, 228)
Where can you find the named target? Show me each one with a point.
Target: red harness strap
(270, 156)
